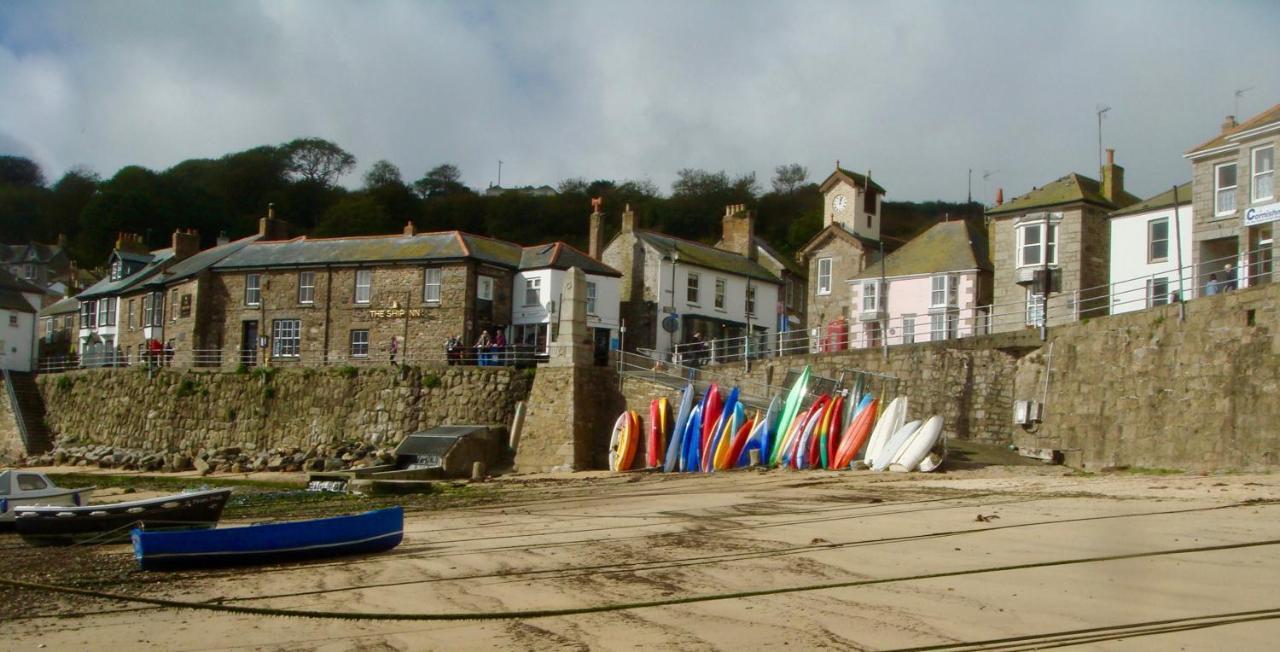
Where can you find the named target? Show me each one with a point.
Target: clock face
(840, 203)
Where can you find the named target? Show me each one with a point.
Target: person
(169, 350)
(155, 351)
(482, 348)
(1228, 278)
(1211, 288)
(697, 348)
(499, 346)
(449, 345)
(394, 348)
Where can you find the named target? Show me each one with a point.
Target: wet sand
(928, 543)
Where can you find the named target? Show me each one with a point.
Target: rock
(275, 463)
(314, 464)
(333, 464)
(202, 466)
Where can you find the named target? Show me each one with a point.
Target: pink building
(936, 287)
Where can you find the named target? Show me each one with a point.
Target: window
(942, 326)
(306, 287)
(48, 330)
(792, 293)
(908, 329)
(252, 289)
(28, 271)
(751, 299)
(1158, 240)
(870, 296)
(1224, 189)
(1035, 307)
(112, 305)
(146, 311)
(944, 290)
(360, 344)
(484, 288)
(591, 298)
(364, 285)
(1264, 173)
(1031, 245)
(29, 482)
(173, 301)
(1157, 292)
(719, 298)
(286, 338)
(691, 289)
(88, 314)
(13, 321)
(104, 309)
(131, 313)
(533, 291)
(431, 284)
(117, 270)
(824, 276)
(157, 309)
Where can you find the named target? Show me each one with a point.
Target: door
(600, 340)
(249, 343)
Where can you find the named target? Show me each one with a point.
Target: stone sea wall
(11, 446)
(352, 410)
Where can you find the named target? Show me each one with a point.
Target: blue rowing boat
(375, 531)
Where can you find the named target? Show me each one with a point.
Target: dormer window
(117, 270)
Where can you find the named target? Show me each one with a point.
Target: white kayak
(615, 440)
(918, 446)
(889, 452)
(890, 421)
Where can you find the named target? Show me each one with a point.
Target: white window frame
(937, 326)
(173, 301)
(721, 285)
(824, 276)
(870, 295)
(104, 311)
(1255, 175)
(432, 281)
(117, 270)
(286, 338)
(359, 346)
(692, 289)
(157, 309)
(751, 299)
(533, 291)
(252, 289)
(1037, 225)
(146, 311)
(1158, 298)
(908, 329)
(364, 286)
(1218, 190)
(48, 329)
(484, 288)
(591, 298)
(943, 290)
(1034, 307)
(132, 306)
(1152, 240)
(306, 287)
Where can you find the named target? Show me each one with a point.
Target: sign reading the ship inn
(395, 311)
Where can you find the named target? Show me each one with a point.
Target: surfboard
(664, 425)
(856, 434)
(789, 409)
(731, 428)
(736, 450)
(652, 443)
(918, 446)
(630, 441)
(677, 430)
(890, 450)
(693, 450)
(615, 439)
(889, 423)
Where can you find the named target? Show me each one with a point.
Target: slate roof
(13, 300)
(1261, 120)
(788, 262)
(1070, 189)
(944, 247)
(62, 307)
(10, 282)
(859, 180)
(201, 261)
(838, 230)
(696, 253)
(108, 287)
(1162, 200)
(313, 252)
(32, 252)
(558, 255)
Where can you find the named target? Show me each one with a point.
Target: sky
(917, 92)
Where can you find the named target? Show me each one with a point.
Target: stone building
(1060, 227)
(57, 332)
(738, 236)
(673, 288)
(1236, 207)
(848, 242)
(44, 265)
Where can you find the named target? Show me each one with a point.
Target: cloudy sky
(917, 92)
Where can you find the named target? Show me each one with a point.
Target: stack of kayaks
(719, 432)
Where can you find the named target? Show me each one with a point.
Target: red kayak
(853, 439)
(653, 443)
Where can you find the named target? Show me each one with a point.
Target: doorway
(249, 343)
(600, 346)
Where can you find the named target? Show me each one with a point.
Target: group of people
(1217, 285)
(695, 352)
(488, 350)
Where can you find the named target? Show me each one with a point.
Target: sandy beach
(864, 561)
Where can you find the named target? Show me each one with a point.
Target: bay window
(1032, 244)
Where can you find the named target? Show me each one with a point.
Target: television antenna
(1240, 93)
(1101, 109)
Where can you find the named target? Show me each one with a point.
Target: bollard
(753, 457)
(477, 471)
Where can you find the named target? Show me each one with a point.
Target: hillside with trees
(300, 178)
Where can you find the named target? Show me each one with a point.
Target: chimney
(130, 242)
(999, 196)
(269, 228)
(185, 244)
(738, 230)
(1112, 178)
(628, 220)
(410, 228)
(223, 238)
(595, 230)
(1229, 123)
(62, 240)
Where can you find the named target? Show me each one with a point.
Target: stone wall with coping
(193, 410)
(11, 446)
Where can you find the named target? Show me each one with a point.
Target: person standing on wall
(1228, 278)
(499, 346)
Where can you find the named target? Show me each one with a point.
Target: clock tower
(852, 201)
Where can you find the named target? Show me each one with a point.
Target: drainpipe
(1177, 244)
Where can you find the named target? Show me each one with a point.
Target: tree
(317, 161)
(440, 181)
(356, 214)
(383, 173)
(788, 178)
(20, 171)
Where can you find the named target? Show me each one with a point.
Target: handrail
(19, 416)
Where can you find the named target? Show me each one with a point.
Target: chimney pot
(999, 196)
(1229, 123)
(1111, 156)
(410, 229)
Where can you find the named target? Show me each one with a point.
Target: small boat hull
(111, 522)
(375, 531)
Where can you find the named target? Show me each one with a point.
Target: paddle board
(889, 423)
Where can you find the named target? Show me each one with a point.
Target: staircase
(28, 411)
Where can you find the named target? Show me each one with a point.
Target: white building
(536, 300)
(1147, 247)
(19, 303)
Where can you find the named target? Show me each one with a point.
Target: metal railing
(872, 330)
